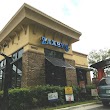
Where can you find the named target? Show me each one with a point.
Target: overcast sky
(90, 17)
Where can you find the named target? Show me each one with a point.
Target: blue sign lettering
(45, 41)
(49, 42)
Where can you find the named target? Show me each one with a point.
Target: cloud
(91, 17)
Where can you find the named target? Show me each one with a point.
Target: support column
(71, 76)
(33, 69)
(100, 73)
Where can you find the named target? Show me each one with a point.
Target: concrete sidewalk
(78, 106)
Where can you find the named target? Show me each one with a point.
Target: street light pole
(7, 82)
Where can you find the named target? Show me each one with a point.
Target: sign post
(69, 94)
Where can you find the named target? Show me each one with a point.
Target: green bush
(27, 98)
(88, 90)
(81, 96)
(23, 98)
(19, 98)
(40, 95)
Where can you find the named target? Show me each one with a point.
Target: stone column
(71, 76)
(88, 78)
(33, 69)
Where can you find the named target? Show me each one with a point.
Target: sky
(90, 17)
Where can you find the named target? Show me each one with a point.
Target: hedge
(27, 98)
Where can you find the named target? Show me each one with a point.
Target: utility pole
(7, 82)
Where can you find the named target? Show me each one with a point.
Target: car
(104, 90)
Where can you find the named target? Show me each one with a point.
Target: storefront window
(1, 64)
(16, 69)
(20, 52)
(14, 56)
(1, 79)
(54, 54)
(81, 75)
(55, 75)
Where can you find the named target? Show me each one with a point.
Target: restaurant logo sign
(47, 41)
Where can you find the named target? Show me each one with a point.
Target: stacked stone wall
(33, 69)
(71, 76)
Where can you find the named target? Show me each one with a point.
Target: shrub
(40, 95)
(19, 98)
(27, 98)
(23, 98)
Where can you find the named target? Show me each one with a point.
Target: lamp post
(7, 82)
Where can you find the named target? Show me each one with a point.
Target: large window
(54, 54)
(16, 71)
(81, 75)
(55, 75)
(2, 69)
(17, 68)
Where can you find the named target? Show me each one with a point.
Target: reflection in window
(1, 64)
(20, 52)
(17, 73)
(54, 54)
(1, 79)
(14, 56)
(16, 69)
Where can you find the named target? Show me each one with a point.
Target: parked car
(104, 90)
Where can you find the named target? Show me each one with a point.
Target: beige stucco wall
(26, 28)
(80, 59)
(15, 42)
(35, 39)
(32, 41)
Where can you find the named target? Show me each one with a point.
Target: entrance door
(81, 75)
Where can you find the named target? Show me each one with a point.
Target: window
(3, 63)
(55, 75)
(54, 54)
(20, 52)
(81, 75)
(104, 81)
(14, 56)
(16, 69)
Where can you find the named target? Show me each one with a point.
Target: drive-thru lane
(90, 106)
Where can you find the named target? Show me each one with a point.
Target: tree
(96, 56)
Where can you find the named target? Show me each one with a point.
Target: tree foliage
(98, 55)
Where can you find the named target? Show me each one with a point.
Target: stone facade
(33, 69)
(88, 78)
(33, 66)
(71, 76)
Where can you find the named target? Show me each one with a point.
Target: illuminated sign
(47, 41)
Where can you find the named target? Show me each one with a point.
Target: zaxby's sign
(47, 41)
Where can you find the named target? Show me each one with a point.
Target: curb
(77, 106)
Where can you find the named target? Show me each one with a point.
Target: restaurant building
(41, 51)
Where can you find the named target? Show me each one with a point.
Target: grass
(70, 104)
